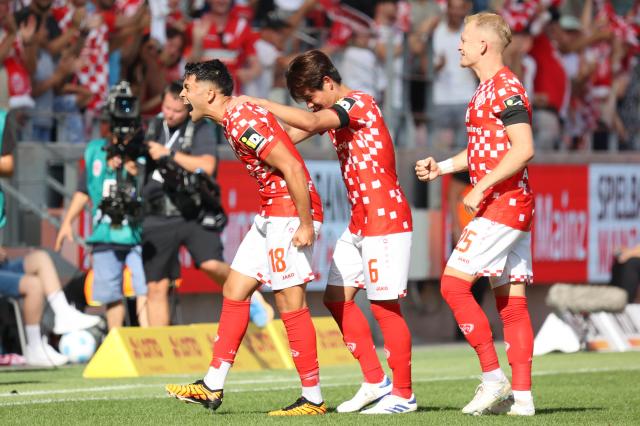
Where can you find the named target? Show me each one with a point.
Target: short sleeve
(82, 182)
(511, 105)
(351, 112)
(258, 137)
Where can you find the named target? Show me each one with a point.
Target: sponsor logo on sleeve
(252, 138)
(513, 101)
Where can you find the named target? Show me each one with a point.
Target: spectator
(104, 25)
(42, 52)
(144, 70)
(227, 37)
(551, 86)
(625, 272)
(425, 16)
(171, 57)
(268, 47)
(33, 278)
(15, 83)
(453, 85)
(517, 58)
(176, 19)
(360, 65)
(390, 35)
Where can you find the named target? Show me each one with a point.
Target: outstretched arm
(310, 122)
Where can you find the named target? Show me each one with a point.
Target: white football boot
(393, 404)
(368, 393)
(488, 394)
(512, 407)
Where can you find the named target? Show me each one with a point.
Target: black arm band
(342, 115)
(514, 115)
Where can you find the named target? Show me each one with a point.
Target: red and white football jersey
(511, 201)
(252, 132)
(368, 163)
(232, 45)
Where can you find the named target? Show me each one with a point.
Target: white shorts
(266, 253)
(385, 259)
(494, 250)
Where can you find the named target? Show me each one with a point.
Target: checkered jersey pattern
(367, 159)
(511, 201)
(252, 132)
(94, 73)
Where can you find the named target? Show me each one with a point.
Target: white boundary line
(7, 396)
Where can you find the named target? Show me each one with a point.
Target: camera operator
(181, 201)
(110, 183)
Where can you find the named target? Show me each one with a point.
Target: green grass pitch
(582, 388)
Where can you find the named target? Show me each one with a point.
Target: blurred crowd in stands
(577, 59)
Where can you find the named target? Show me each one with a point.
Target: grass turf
(582, 388)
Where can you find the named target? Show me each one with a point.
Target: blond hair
(493, 22)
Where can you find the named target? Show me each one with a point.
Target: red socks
(397, 344)
(234, 320)
(302, 341)
(357, 336)
(471, 319)
(518, 337)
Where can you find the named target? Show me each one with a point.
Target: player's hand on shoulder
(427, 169)
(240, 100)
(304, 236)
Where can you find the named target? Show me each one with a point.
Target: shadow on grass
(557, 410)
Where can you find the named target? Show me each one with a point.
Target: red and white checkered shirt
(511, 201)
(94, 73)
(253, 132)
(368, 163)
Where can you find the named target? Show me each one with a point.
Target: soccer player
(373, 253)
(277, 249)
(497, 242)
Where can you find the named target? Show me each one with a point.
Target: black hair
(214, 71)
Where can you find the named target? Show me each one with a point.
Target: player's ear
(327, 82)
(485, 47)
